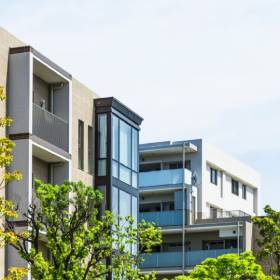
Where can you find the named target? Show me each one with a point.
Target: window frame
(90, 150)
(81, 145)
(234, 186)
(213, 176)
(244, 191)
(116, 163)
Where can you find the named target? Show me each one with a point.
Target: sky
(190, 68)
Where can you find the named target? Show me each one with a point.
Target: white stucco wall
(221, 195)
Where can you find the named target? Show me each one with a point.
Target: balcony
(50, 127)
(164, 178)
(163, 218)
(174, 259)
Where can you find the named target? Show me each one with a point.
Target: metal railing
(220, 214)
(174, 259)
(50, 127)
(163, 218)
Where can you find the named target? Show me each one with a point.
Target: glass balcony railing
(174, 259)
(163, 218)
(164, 177)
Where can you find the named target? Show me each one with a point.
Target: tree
(227, 267)
(7, 209)
(269, 243)
(80, 240)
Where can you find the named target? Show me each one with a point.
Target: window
(234, 187)
(115, 202)
(125, 144)
(213, 176)
(147, 167)
(134, 215)
(90, 150)
(81, 145)
(124, 152)
(213, 244)
(176, 165)
(102, 144)
(102, 136)
(115, 137)
(134, 150)
(244, 191)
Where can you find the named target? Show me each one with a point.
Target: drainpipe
(184, 211)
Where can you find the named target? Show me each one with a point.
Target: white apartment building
(210, 218)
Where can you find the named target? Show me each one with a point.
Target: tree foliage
(7, 209)
(269, 243)
(82, 243)
(227, 267)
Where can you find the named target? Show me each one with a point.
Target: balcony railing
(163, 218)
(164, 177)
(220, 214)
(50, 127)
(174, 259)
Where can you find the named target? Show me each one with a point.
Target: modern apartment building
(200, 197)
(63, 130)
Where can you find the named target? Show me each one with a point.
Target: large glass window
(115, 202)
(125, 204)
(124, 152)
(134, 150)
(115, 135)
(102, 144)
(134, 215)
(102, 135)
(125, 144)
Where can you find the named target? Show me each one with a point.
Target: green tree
(227, 267)
(269, 243)
(7, 209)
(79, 239)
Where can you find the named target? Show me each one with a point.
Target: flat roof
(167, 147)
(41, 57)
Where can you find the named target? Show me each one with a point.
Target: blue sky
(192, 69)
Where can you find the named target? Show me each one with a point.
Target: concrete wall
(82, 109)
(40, 169)
(7, 41)
(20, 92)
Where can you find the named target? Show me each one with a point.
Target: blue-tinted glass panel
(115, 138)
(125, 174)
(134, 149)
(134, 215)
(115, 169)
(115, 202)
(125, 144)
(125, 204)
(102, 135)
(134, 180)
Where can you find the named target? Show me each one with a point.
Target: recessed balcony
(50, 127)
